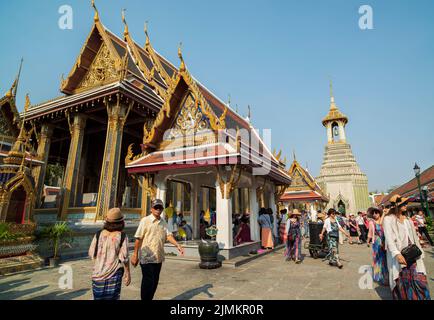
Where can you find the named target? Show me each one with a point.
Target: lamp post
(423, 200)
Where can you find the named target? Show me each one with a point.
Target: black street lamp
(423, 200)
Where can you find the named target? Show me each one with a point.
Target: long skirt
(267, 238)
(109, 289)
(379, 263)
(333, 244)
(411, 285)
(294, 248)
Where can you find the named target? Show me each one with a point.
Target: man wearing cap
(151, 235)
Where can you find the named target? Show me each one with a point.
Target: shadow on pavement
(188, 295)
(384, 292)
(13, 284)
(61, 295)
(16, 294)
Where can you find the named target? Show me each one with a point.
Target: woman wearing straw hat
(293, 231)
(109, 251)
(407, 279)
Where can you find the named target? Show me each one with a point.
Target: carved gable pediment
(189, 120)
(298, 180)
(102, 71)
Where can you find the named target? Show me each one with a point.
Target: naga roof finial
(96, 16)
(124, 21)
(146, 33)
(182, 67)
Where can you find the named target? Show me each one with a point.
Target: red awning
(307, 195)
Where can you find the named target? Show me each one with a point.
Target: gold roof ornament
(126, 31)
(96, 16)
(12, 92)
(334, 113)
(182, 66)
(148, 42)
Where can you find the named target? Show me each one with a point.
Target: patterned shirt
(153, 232)
(110, 258)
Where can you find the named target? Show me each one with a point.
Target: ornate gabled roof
(302, 184)
(10, 118)
(334, 113)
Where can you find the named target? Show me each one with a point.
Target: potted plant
(208, 250)
(58, 235)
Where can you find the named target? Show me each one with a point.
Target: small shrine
(17, 189)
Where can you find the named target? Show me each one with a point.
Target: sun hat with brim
(114, 215)
(321, 215)
(372, 210)
(295, 212)
(398, 200)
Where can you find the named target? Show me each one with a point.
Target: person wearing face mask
(407, 278)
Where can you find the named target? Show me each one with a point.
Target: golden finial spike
(229, 99)
(27, 104)
(284, 161)
(96, 16)
(279, 155)
(17, 80)
(126, 32)
(182, 67)
(332, 97)
(146, 33)
(293, 154)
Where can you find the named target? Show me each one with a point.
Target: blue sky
(276, 56)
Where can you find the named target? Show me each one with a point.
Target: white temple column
(224, 220)
(274, 208)
(161, 190)
(254, 213)
(329, 133)
(195, 212)
(342, 132)
(313, 212)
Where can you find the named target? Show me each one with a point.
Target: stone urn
(208, 251)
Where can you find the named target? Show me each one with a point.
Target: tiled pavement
(268, 277)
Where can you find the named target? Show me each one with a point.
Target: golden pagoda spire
(126, 31)
(332, 98)
(293, 155)
(182, 66)
(96, 16)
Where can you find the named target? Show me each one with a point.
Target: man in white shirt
(420, 218)
(362, 227)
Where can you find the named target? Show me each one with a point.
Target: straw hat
(295, 212)
(398, 200)
(321, 215)
(114, 215)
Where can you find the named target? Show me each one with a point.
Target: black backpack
(123, 236)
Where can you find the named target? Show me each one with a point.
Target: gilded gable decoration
(102, 71)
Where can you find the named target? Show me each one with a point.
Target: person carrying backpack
(109, 252)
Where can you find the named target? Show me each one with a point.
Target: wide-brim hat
(321, 215)
(372, 210)
(398, 200)
(295, 212)
(114, 215)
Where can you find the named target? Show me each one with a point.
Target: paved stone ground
(268, 277)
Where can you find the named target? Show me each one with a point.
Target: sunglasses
(158, 208)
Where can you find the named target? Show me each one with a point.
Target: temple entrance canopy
(204, 147)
